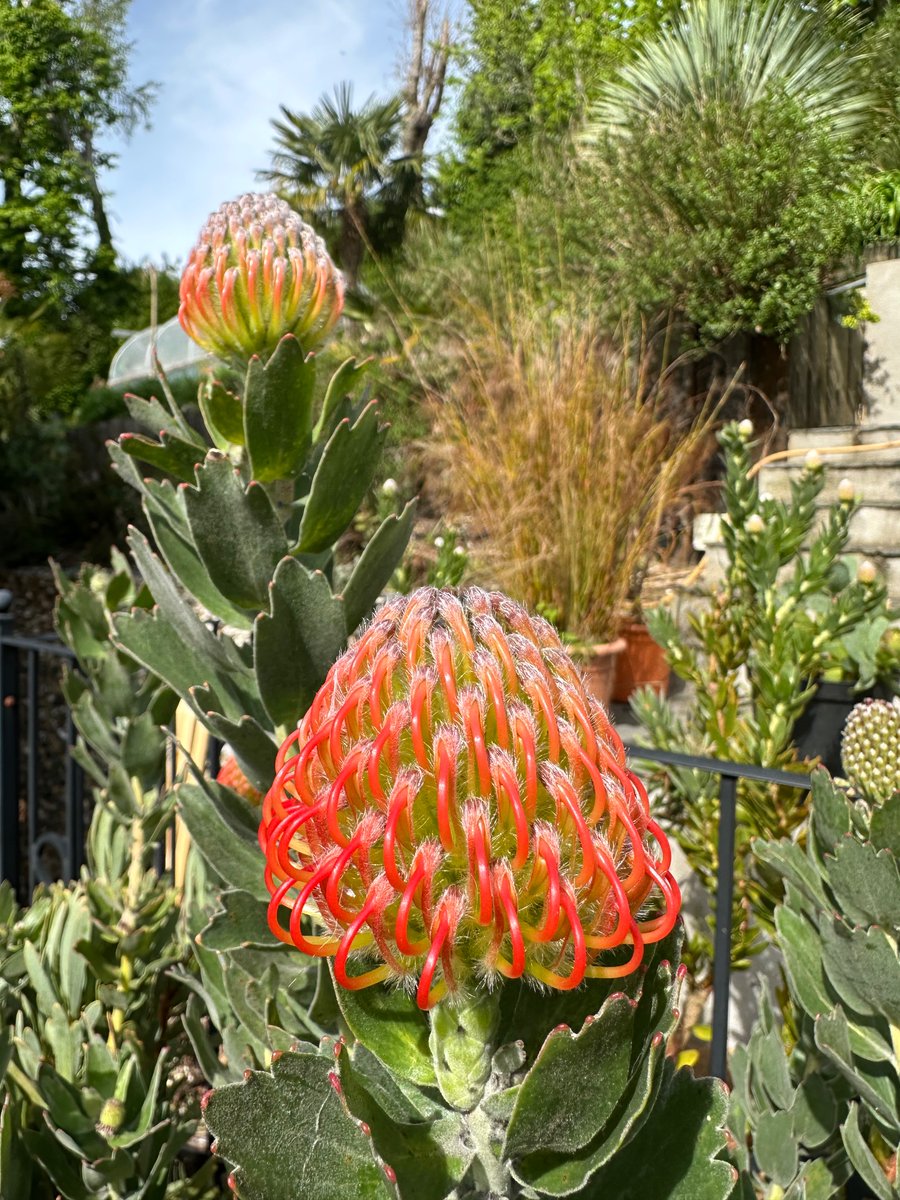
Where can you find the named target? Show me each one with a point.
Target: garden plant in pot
(753, 653)
(564, 452)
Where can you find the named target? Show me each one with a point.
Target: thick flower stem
(462, 1044)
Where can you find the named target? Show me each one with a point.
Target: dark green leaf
(223, 413)
(170, 454)
(297, 642)
(674, 1156)
(342, 478)
(830, 811)
(864, 1161)
(552, 1115)
(885, 833)
(278, 412)
(164, 506)
(391, 1025)
(240, 922)
(289, 1134)
(226, 848)
(236, 532)
(814, 1112)
(866, 883)
(341, 384)
(376, 565)
(863, 967)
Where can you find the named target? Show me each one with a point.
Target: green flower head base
(257, 273)
(455, 808)
(870, 749)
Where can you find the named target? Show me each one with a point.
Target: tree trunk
(98, 208)
(426, 72)
(352, 246)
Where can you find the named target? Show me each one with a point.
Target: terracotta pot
(642, 663)
(598, 662)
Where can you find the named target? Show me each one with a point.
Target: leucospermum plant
(249, 604)
(453, 827)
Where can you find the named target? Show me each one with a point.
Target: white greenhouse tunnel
(175, 350)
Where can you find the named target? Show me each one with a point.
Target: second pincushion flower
(256, 273)
(456, 808)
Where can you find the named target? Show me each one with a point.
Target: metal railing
(20, 724)
(729, 773)
(70, 845)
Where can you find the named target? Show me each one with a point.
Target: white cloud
(225, 66)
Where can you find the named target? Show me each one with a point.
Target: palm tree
(340, 167)
(735, 53)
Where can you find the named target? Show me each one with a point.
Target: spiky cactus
(870, 749)
(454, 826)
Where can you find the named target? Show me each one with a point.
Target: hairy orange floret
(456, 807)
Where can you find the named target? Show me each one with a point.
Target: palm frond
(735, 53)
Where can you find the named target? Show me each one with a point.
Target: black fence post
(722, 942)
(9, 747)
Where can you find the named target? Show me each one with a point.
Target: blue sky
(224, 66)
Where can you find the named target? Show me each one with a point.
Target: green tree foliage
(726, 157)
(731, 215)
(63, 83)
(529, 71)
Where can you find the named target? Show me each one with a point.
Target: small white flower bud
(745, 429)
(755, 523)
(438, 543)
(459, 550)
(846, 491)
(390, 487)
(813, 461)
(866, 572)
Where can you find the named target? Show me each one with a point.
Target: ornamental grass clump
(459, 810)
(563, 452)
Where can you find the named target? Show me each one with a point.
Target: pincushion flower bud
(755, 523)
(455, 807)
(256, 273)
(745, 428)
(870, 749)
(812, 461)
(866, 572)
(846, 491)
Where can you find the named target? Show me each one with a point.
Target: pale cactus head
(870, 749)
(456, 808)
(256, 273)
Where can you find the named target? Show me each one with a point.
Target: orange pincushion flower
(456, 806)
(258, 272)
(231, 775)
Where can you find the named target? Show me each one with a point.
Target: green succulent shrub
(816, 1098)
(91, 998)
(753, 653)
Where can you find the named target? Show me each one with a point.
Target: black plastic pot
(818, 731)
